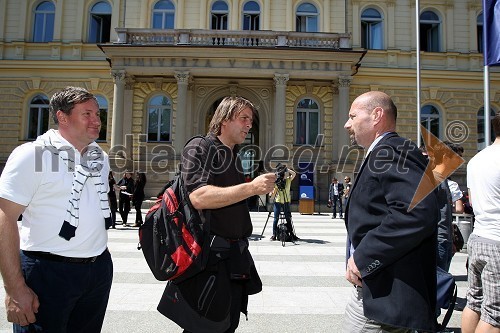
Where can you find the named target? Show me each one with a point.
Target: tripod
(282, 229)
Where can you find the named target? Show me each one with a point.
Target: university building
(160, 68)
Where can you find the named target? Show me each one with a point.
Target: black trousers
(138, 213)
(124, 208)
(113, 206)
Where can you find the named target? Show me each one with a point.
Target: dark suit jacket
(395, 249)
(331, 190)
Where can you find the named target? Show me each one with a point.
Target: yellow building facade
(159, 69)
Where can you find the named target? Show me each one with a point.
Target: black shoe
(295, 238)
(273, 238)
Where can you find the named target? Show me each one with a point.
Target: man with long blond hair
(213, 176)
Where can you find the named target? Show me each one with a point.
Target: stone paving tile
(304, 286)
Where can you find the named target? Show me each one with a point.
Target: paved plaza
(304, 287)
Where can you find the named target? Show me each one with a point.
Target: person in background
(56, 269)
(335, 194)
(113, 204)
(438, 157)
(282, 199)
(138, 196)
(482, 313)
(126, 186)
(456, 193)
(391, 242)
(347, 190)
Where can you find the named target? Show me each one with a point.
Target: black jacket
(395, 248)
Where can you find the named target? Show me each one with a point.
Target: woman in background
(138, 196)
(113, 204)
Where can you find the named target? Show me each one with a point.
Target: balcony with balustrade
(234, 38)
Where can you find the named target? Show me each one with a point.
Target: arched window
(251, 16)
(103, 114)
(43, 27)
(220, 13)
(100, 23)
(430, 26)
(372, 29)
(480, 22)
(159, 119)
(430, 119)
(163, 15)
(307, 18)
(307, 122)
(38, 117)
(480, 128)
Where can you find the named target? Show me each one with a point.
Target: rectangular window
(301, 128)
(38, 122)
(153, 124)
(99, 28)
(165, 125)
(159, 125)
(313, 127)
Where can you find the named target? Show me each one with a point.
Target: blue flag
(491, 32)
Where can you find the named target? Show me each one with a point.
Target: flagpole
(488, 9)
(487, 129)
(417, 36)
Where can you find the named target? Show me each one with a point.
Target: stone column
(58, 21)
(335, 120)
(266, 22)
(181, 111)
(128, 121)
(117, 121)
(447, 43)
(326, 18)
(233, 25)
(203, 14)
(180, 13)
(290, 16)
(279, 118)
(356, 23)
(342, 114)
(391, 39)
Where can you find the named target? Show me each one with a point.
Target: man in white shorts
(482, 313)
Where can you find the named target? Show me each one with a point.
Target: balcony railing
(234, 38)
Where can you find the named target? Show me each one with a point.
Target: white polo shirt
(42, 183)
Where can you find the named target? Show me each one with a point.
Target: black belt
(58, 258)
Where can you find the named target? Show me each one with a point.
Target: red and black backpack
(174, 239)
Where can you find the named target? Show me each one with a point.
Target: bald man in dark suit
(391, 248)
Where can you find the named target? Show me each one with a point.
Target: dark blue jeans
(73, 296)
(337, 200)
(444, 254)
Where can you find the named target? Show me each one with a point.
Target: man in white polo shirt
(56, 269)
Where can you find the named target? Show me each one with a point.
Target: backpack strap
(211, 144)
(451, 307)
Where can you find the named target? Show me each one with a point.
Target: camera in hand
(280, 172)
